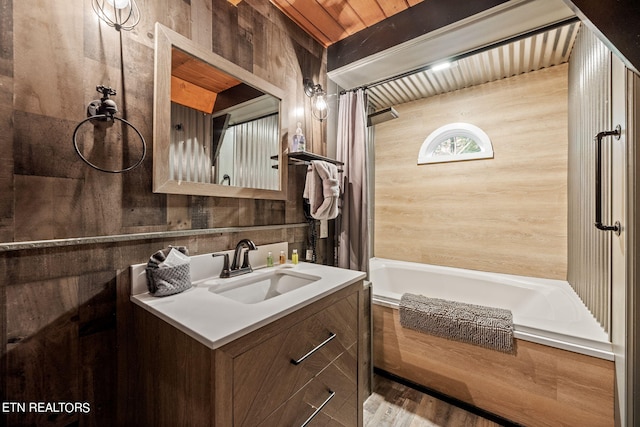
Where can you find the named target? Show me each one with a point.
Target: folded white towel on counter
(322, 188)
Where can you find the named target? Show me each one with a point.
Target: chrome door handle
(318, 347)
(317, 411)
(598, 139)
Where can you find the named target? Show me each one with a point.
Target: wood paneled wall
(507, 214)
(58, 305)
(537, 386)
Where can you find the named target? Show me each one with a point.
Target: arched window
(455, 142)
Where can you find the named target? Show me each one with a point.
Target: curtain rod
(355, 89)
(468, 54)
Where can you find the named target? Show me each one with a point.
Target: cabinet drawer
(330, 398)
(265, 377)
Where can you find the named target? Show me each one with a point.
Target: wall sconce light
(120, 14)
(319, 107)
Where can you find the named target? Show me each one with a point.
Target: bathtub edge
(597, 350)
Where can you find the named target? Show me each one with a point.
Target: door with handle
(618, 239)
(598, 226)
(616, 227)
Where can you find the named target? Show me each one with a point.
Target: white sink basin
(258, 287)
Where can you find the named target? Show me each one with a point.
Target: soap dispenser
(299, 142)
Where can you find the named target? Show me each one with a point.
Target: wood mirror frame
(166, 41)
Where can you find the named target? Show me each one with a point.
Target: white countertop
(215, 320)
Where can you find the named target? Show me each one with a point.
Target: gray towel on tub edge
(488, 327)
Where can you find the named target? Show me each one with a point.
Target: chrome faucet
(236, 269)
(236, 255)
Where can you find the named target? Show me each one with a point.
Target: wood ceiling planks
(192, 70)
(313, 18)
(329, 21)
(196, 84)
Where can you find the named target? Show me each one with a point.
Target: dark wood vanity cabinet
(306, 364)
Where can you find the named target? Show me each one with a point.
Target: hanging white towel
(322, 188)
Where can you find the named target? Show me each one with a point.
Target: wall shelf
(305, 156)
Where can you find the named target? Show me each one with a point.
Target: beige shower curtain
(353, 250)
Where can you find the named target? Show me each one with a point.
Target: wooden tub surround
(536, 386)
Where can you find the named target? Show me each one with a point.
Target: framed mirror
(216, 126)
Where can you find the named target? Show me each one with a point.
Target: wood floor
(395, 405)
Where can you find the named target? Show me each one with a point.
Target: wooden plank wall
(536, 386)
(507, 214)
(58, 306)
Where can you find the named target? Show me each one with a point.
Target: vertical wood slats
(589, 252)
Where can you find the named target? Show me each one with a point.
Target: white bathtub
(545, 311)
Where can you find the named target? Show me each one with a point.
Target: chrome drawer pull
(299, 361)
(317, 411)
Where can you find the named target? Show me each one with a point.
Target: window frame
(438, 136)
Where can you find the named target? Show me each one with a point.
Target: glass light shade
(321, 103)
(119, 4)
(319, 107)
